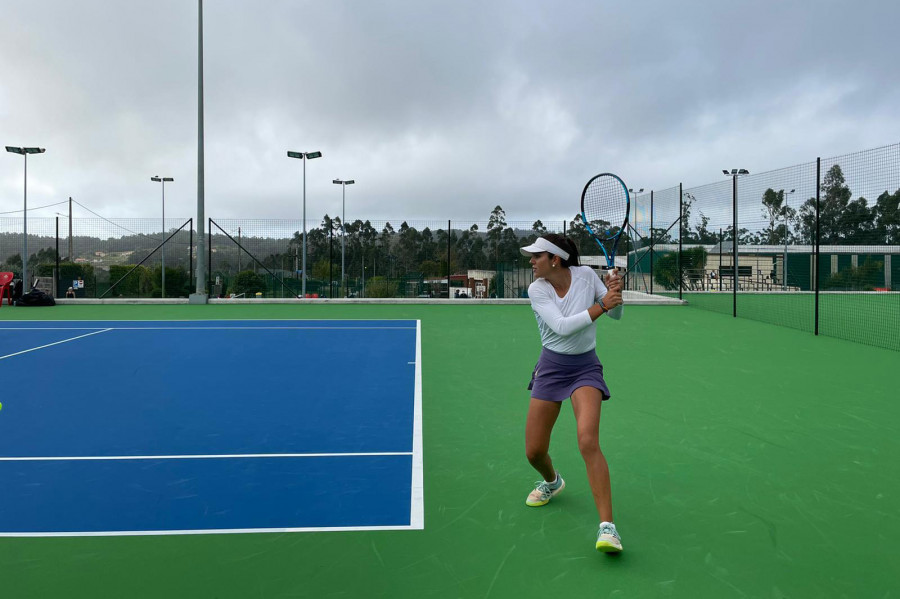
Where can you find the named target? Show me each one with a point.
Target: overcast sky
(438, 110)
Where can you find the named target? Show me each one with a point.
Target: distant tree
(407, 246)
(703, 234)
(579, 234)
(840, 220)
(779, 214)
(368, 238)
(13, 264)
(428, 248)
(666, 269)
(661, 235)
(509, 246)
(248, 282)
(687, 202)
(495, 227)
(887, 218)
(470, 249)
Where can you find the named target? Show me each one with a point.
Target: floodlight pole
(734, 174)
(162, 248)
(343, 185)
(304, 156)
(25, 152)
(200, 295)
(784, 195)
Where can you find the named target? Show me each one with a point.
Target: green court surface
(747, 460)
(871, 318)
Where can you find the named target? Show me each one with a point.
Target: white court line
(203, 456)
(417, 507)
(417, 521)
(417, 502)
(201, 531)
(209, 329)
(234, 320)
(19, 353)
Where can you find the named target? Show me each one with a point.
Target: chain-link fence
(814, 246)
(98, 257)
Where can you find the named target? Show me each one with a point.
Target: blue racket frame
(610, 256)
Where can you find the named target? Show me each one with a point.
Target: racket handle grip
(616, 313)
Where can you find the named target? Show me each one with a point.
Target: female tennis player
(567, 299)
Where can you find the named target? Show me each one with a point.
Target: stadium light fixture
(25, 152)
(304, 156)
(343, 185)
(734, 174)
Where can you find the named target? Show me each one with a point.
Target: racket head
(605, 206)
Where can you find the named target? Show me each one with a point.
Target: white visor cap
(542, 245)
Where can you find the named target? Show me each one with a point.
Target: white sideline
(19, 353)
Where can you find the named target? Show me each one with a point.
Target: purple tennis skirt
(556, 376)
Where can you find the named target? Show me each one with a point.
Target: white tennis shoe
(608, 540)
(543, 491)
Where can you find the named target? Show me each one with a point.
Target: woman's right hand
(612, 299)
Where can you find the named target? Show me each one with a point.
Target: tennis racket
(604, 205)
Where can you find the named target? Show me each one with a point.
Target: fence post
(734, 243)
(191, 273)
(680, 236)
(56, 272)
(721, 241)
(651, 242)
(448, 260)
(208, 257)
(330, 260)
(818, 233)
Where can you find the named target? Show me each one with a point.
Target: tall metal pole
(343, 225)
(25, 230)
(784, 259)
(680, 236)
(721, 240)
(734, 240)
(201, 218)
(25, 152)
(303, 284)
(651, 242)
(818, 233)
(56, 270)
(343, 183)
(162, 256)
(330, 260)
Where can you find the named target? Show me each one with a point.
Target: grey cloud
(437, 110)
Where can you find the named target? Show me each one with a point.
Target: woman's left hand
(613, 281)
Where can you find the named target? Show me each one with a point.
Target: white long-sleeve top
(564, 322)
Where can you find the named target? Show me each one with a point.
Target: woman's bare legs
(586, 402)
(542, 416)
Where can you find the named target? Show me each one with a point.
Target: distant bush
(381, 287)
(137, 284)
(855, 278)
(248, 283)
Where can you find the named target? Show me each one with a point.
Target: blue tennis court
(150, 427)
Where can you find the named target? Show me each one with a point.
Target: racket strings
(605, 205)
